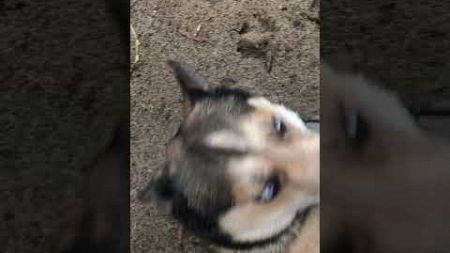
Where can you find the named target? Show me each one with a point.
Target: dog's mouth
(302, 214)
(300, 218)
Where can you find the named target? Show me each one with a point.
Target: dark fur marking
(362, 131)
(219, 93)
(206, 226)
(164, 188)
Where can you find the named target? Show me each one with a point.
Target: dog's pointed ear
(192, 85)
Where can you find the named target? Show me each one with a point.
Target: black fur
(206, 226)
(362, 132)
(220, 93)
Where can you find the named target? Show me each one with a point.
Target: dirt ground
(270, 47)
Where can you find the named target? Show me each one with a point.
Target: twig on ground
(136, 45)
(199, 27)
(269, 62)
(193, 37)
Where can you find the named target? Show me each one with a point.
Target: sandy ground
(270, 47)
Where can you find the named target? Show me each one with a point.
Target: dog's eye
(271, 189)
(355, 127)
(279, 126)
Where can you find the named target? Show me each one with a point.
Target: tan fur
(309, 238)
(295, 158)
(306, 240)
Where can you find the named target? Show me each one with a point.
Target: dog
(242, 173)
(383, 178)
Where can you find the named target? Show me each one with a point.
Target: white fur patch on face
(252, 220)
(237, 224)
(244, 169)
(290, 116)
(226, 139)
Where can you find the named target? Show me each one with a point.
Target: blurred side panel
(64, 131)
(385, 126)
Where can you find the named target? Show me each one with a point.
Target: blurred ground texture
(56, 113)
(401, 45)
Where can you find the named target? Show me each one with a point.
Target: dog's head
(240, 170)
